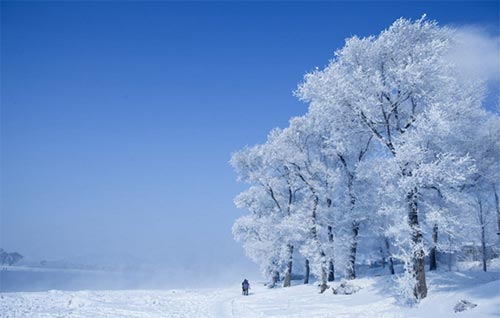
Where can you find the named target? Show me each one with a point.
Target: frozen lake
(30, 279)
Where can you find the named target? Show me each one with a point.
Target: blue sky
(118, 119)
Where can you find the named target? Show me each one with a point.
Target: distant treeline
(9, 258)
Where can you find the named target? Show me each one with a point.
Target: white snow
(376, 298)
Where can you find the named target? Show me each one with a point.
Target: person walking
(245, 286)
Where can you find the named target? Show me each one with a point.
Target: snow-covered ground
(376, 298)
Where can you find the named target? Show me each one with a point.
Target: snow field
(376, 299)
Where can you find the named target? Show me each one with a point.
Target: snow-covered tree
(9, 258)
(395, 145)
(273, 197)
(397, 84)
(483, 145)
(298, 146)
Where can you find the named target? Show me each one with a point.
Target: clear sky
(118, 119)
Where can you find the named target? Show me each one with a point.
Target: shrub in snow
(346, 288)
(463, 305)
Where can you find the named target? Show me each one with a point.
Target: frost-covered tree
(395, 84)
(9, 258)
(299, 147)
(273, 198)
(395, 145)
(256, 230)
(483, 145)
(346, 143)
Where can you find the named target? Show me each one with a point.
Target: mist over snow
(122, 271)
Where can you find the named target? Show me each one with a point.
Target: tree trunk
(418, 257)
(391, 265)
(497, 207)
(306, 275)
(288, 275)
(315, 237)
(331, 268)
(331, 271)
(432, 255)
(483, 234)
(351, 268)
(314, 234)
(276, 278)
(324, 285)
(391, 262)
(324, 274)
(483, 247)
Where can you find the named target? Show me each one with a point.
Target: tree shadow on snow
(472, 283)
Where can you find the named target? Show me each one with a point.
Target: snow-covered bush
(463, 305)
(345, 288)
